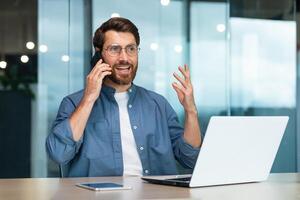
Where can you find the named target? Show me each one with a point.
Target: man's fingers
(182, 70)
(95, 75)
(103, 74)
(97, 64)
(179, 92)
(99, 61)
(175, 88)
(104, 67)
(186, 68)
(180, 79)
(185, 72)
(178, 88)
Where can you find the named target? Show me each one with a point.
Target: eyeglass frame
(121, 48)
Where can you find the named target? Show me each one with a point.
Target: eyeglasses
(115, 50)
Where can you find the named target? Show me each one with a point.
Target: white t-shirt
(131, 160)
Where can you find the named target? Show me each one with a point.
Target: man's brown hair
(118, 24)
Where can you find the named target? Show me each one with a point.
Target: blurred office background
(242, 55)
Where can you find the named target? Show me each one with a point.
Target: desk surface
(278, 186)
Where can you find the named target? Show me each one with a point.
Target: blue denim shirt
(157, 132)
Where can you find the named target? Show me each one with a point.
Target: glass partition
(263, 69)
(64, 51)
(208, 51)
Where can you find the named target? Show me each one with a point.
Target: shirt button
(146, 171)
(141, 148)
(134, 127)
(130, 106)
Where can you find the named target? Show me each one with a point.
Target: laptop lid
(238, 149)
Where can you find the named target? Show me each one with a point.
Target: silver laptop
(234, 150)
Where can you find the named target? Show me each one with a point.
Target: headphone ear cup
(96, 57)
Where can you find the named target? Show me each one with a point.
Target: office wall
(64, 30)
(263, 77)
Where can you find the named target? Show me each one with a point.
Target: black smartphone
(96, 57)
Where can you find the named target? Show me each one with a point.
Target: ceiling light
(221, 28)
(30, 45)
(178, 48)
(115, 15)
(3, 64)
(154, 46)
(43, 48)
(24, 59)
(65, 58)
(165, 2)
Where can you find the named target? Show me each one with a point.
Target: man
(113, 127)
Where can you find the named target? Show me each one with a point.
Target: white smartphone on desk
(103, 186)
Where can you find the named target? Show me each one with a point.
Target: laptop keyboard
(181, 179)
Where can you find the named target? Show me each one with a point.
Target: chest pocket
(97, 139)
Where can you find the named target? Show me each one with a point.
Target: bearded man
(116, 128)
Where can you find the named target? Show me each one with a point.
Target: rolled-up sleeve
(184, 152)
(60, 145)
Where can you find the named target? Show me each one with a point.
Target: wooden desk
(278, 186)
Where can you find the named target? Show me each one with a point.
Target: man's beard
(121, 80)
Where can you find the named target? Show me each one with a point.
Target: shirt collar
(110, 91)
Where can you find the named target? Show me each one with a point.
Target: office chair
(63, 170)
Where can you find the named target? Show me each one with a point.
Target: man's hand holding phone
(92, 90)
(94, 81)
